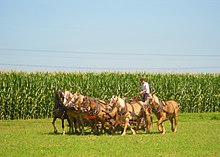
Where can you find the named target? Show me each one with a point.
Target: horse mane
(69, 93)
(80, 98)
(156, 99)
(102, 101)
(58, 97)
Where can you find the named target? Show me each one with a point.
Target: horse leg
(112, 132)
(68, 120)
(103, 126)
(125, 127)
(99, 126)
(111, 128)
(176, 123)
(114, 127)
(161, 128)
(138, 124)
(63, 131)
(133, 131)
(76, 122)
(71, 125)
(82, 125)
(148, 122)
(92, 125)
(53, 122)
(171, 121)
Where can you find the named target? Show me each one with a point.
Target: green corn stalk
(26, 95)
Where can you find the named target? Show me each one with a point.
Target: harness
(132, 113)
(160, 107)
(124, 109)
(142, 106)
(108, 111)
(96, 109)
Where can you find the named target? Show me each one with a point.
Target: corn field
(26, 95)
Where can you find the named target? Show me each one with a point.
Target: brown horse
(75, 112)
(99, 111)
(59, 111)
(131, 112)
(164, 111)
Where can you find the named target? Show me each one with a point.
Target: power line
(107, 68)
(108, 53)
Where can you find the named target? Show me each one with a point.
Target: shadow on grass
(67, 133)
(100, 134)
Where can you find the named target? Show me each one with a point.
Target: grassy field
(198, 135)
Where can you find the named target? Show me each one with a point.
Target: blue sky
(118, 35)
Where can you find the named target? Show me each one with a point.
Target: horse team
(115, 115)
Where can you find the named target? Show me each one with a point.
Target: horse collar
(162, 103)
(124, 109)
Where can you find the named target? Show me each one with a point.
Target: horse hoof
(55, 131)
(63, 132)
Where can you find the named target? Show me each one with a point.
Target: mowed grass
(198, 134)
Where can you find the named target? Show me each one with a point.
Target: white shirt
(146, 87)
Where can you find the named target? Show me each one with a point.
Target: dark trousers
(144, 97)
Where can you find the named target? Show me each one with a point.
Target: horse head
(117, 102)
(154, 98)
(78, 98)
(59, 97)
(67, 97)
(76, 101)
(85, 105)
(113, 101)
(91, 104)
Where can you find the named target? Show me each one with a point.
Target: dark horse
(59, 110)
